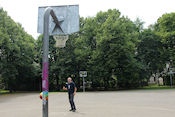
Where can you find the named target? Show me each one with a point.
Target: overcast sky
(26, 11)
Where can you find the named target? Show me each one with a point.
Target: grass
(2, 91)
(149, 87)
(57, 91)
(156, 87)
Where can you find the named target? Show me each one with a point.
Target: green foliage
(150, 52)
(17, 55)
(166, 23)
(115, 52)
(166, 29)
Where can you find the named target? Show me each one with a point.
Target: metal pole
(171, 80)
(83, 85)
(45, 72)
(45, 79)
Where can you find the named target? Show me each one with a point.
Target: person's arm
(75, 90)
(64, 88)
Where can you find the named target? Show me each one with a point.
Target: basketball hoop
(61, 40)
(55, 20)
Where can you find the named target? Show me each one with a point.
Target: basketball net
(60, 40)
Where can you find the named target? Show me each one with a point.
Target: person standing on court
(71, 87)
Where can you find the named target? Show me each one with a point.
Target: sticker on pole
(83, 73)
(68, 20)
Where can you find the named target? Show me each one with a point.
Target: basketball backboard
(67, 15)
(83, 73)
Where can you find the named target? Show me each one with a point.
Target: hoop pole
(45, 63)
(45, 72)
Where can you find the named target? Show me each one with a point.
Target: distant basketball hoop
(60, 40)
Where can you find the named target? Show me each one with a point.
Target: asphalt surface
(150, 103)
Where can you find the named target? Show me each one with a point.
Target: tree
(17, 54)
(165, 27)
(115, 51)
(150, 53)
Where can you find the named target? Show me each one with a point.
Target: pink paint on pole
(45, 83)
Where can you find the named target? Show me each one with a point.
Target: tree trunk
(57, 82)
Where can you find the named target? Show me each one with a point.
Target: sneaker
(71, 110)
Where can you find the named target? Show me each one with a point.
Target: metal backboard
(67, 15)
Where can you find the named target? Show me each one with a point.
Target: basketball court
(149, 103)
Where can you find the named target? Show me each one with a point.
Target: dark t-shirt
(70, 87)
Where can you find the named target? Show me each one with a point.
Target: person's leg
(72, 101)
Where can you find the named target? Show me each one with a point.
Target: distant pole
(171, 81)
(83, 85)
(45, 63)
